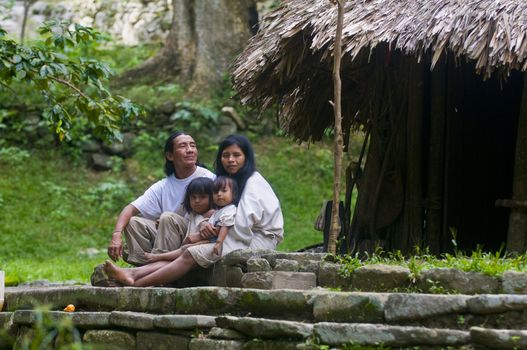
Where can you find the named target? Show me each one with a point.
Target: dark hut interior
(441, 153)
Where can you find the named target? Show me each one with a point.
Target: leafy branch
(72, 87)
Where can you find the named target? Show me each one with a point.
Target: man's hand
(115, 249)
(207, 230)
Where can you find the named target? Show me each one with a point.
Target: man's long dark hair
(248, 168)
(169, 147)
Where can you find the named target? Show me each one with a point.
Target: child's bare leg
(168, 256)
(169, 272)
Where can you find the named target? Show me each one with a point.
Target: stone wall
(271, 300)
(128, 22)
(239, 318)
(266, 269)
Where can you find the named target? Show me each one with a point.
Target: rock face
(129, 22)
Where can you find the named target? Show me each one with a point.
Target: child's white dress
(202, 253)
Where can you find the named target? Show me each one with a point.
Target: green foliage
(13, 155)
(152, 96)
(109, 196)
(48, 333)
(71, 87)
(301, 177)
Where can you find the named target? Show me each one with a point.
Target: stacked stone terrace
(274, 309)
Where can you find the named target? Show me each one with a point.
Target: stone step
(316, 305)
(150, 331)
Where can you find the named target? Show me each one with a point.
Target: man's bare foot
(117, 273)
(151, 257)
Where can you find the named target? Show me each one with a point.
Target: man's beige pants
(142, 237)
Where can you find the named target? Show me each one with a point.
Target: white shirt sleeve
(227, 216)
(150, 203)
(258, 212)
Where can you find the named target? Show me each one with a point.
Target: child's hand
(218, 248)
(209, 213)
(151, 257)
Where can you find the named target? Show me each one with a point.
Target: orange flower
(69, 308)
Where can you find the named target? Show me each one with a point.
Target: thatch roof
(289, 61)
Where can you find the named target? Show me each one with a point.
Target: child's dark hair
(224, 181)
(199, 185)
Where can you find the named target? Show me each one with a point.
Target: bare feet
(118, 274)
(152, 257)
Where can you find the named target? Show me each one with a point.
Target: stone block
(259, 303)
(301, 258)
(494, 304)
(349, 307)
(267, 344)
(293, 280)
(454, 280)
(329, 276)
(286, 265)
(184, 321)
(109, 339)
(79, 319)
(223, 333)
(310, 266)
(83, 297)
(265, 328)
(161, 341)
(406, 307)
(214, 344)
(233, 276)
(240, 257)
(514, 282)
(380, 278)
(133, 320)
(499, 338)
(150, 300)
(258, 280)
(258, 265)
(389, 336)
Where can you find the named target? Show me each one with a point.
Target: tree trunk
(517, 235)
(27, 5)
(204, 38)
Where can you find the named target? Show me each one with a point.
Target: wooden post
(517, 235)
(339, 143)
(413, 202)
(436, 159)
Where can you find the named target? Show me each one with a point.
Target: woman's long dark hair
(169, 147)
(248, 168)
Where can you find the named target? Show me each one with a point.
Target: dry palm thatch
(289, 61)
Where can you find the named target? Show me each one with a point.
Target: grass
(57, 216)
(489, 263)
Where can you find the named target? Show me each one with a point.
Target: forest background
(61, 190)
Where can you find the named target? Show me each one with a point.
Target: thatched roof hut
(439, 83)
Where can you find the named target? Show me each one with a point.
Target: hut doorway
(481, 125)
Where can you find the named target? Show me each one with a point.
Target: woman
(258, 222)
